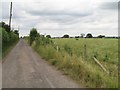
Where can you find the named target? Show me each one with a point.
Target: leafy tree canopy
(89, 35)
(66, 36)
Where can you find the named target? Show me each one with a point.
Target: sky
(59, 17)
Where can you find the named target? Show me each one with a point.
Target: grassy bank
(68, 55)
(7, 49)
(8, 39)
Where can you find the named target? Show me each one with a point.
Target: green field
(75, 58)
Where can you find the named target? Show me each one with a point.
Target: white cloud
(57, 17)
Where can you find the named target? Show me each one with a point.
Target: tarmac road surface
(24, 68)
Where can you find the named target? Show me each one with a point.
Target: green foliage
(66, 36)
(68, 55)
(101, 36)
(48, 36)
(16, 32)
(82, 35)
(5, 26)
(33, 35)
(89, 35)
(70, 59)
(8, 37)
(5, 36)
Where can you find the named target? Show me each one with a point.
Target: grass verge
(85, 72)
(8, 49)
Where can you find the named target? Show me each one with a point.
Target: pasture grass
(70, 58)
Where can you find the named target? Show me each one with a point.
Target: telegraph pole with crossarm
(10, 15)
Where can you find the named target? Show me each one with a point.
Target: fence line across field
(85, 57)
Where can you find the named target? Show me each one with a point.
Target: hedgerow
(9, 37)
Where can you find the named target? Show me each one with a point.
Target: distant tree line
(82, 35)
(89, 35)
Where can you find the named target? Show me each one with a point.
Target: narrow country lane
(23, 68)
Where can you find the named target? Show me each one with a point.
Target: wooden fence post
(57, 48)
(85, 52)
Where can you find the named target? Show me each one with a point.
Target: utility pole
(18, 29)
(10, 15)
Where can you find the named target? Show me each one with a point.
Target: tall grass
(70, 58)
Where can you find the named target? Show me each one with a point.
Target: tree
(2, 24)
(82, 35)
(5, 26)
(66, 36)
(89, 35)
(33, 35)
(77, 36)
(48, 36)
(16, 32)
(101, 36)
